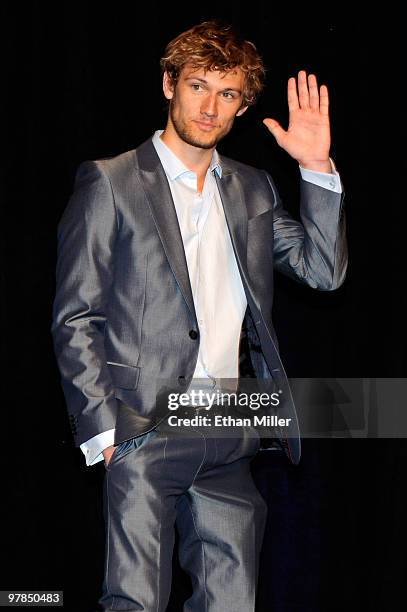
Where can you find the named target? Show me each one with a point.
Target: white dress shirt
(217, 289)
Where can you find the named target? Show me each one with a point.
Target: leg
(221, 521)
(139, 530)
(142, 486)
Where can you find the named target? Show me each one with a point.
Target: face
(204, 104)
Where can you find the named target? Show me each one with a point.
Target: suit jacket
(124, 316)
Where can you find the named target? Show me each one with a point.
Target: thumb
(275, 128)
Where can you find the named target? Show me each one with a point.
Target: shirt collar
(173, 166)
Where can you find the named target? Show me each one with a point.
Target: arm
(99, 447)
(314, 251)
(86, 237)
(330, 181)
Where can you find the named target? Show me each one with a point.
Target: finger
(275, 128)
(324, 100)
(292, 95)
(313, 92)
(303, 89)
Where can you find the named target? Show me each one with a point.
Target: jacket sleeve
(313, 251)
(85, 256)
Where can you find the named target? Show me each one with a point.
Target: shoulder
(122, 166)
(127, 160)
(115, 164)
(255, 184)
(245, 171)
(114, 172)
(250, 178)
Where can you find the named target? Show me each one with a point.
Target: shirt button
(332, 184)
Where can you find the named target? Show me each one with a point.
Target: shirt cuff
(323, 179)
(93, 447)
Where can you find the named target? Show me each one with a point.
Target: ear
(168, 88)
(241, 111)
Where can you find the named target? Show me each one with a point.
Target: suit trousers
(201, 485)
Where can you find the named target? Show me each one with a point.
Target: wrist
(317, 165)
(108, 450)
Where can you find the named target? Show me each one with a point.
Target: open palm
(307, 138)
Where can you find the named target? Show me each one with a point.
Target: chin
(197, 141)
(209, 144)
(209, 140)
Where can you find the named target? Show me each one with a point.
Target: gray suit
(124, 317)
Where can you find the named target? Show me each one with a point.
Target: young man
(166, 254)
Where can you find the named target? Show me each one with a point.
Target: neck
(195, 159)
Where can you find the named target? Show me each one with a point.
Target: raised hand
(308, 137)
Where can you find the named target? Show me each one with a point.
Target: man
(165, 261)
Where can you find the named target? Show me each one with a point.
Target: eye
(228, 95)
(196, 86)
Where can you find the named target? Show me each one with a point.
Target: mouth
(206, 127)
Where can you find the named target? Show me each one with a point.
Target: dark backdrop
(82, 81)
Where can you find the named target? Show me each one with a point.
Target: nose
(209, 106)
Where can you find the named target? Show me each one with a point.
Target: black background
(82, 81)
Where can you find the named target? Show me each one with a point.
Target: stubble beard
(185, 134)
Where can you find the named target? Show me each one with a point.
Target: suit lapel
(236, 218)
(159, 197)
(235, 212)
(158, 192)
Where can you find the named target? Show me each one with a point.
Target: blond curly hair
(213, 45)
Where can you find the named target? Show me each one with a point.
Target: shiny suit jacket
(123, 314)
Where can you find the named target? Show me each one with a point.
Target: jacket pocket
(124, 376)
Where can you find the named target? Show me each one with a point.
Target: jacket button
(181, 380)
(193, 334)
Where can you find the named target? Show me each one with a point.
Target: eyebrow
(192, 78)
